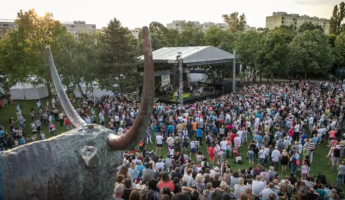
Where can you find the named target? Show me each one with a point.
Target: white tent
(27, 91)
(97, 92)
(199, 54)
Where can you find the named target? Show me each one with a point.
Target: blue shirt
(303, 137)
(198, 133)
(140, 168)
(258, 138)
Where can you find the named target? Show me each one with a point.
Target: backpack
(208, 140)
(185, 139)
(250, 155)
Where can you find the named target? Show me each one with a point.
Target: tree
(117, 69)
(22, 51)
(214, 36)
(247, 45)
(190, 35)
(78, 60)
(339, 49)
(311, 52)
(338, 15)
(273, 55)
(235, 21)
(309, 26)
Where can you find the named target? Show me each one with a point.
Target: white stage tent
(27, 91)
(97, 92)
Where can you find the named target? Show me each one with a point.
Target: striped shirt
(311, 146)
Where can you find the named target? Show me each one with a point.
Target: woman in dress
(284, 160)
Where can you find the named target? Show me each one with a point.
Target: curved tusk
(138, 130)
(70, 112)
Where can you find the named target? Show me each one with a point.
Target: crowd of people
(274, 128)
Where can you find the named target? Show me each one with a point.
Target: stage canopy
(199, 55)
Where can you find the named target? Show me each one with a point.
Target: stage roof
(191, 55)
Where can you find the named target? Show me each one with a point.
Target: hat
(177, 153)
(119, 189)
(216, 169)
(226, 196)
(237, 154)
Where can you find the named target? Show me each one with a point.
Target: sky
(138, 13)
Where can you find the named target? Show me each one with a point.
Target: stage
(187, 98)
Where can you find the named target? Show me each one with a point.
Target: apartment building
(71, 27)
(177, 24)
(6, 25)
(78, 26)
(282, 18)
(135, 32)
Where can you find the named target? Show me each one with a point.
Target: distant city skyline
(132, 12)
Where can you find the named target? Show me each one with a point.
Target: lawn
(320, 163)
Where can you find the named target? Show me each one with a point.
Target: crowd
(275, 128)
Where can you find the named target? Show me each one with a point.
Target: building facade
(282, 18)
(5, 26)
(177, 24)
(71, 27)
(79, 26)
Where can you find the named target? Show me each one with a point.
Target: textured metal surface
(137, 131)
(70, 112)
(74, 165)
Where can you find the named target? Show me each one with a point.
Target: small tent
(97, 92)
(27, 91)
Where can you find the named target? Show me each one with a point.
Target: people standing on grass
(280, 118)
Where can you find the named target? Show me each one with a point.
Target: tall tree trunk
(305, 74)
(254, 75)
(272, 77)
(260, 76)
(84, 95)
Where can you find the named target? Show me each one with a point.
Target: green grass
(320, 163)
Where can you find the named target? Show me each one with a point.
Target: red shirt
(210, 151)
(232, 136)
(166, 184)
(66, 122)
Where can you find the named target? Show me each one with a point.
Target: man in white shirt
(223, 145)
(275, 156)
(237, 141)
(257, 186)
(159, 142)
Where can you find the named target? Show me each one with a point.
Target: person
(238, 159)
(210, 152)
(118, 192)
(341, 173)
(127, 190)
(250, 156)
(135, 195)
(165, 181)
(267, 191)
(147, 174)
(159, 142)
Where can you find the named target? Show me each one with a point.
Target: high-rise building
(282, 18)
(71, 27)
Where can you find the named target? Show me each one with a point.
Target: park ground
(320, 163)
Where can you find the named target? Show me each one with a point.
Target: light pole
(234, 74)
(180, 65)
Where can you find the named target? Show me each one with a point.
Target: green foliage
(247, 46)
(311, 52)
(190, 35)
(274, 49)
(214, 36)
(117, 69)
(78, 59)
(309, 26)
(339, 49)
(338, 15)
(235, 21)
(22, 51)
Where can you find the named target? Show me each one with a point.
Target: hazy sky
(138, 13)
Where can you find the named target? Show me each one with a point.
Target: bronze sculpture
(78, 164)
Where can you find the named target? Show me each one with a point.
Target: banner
(165, 79)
